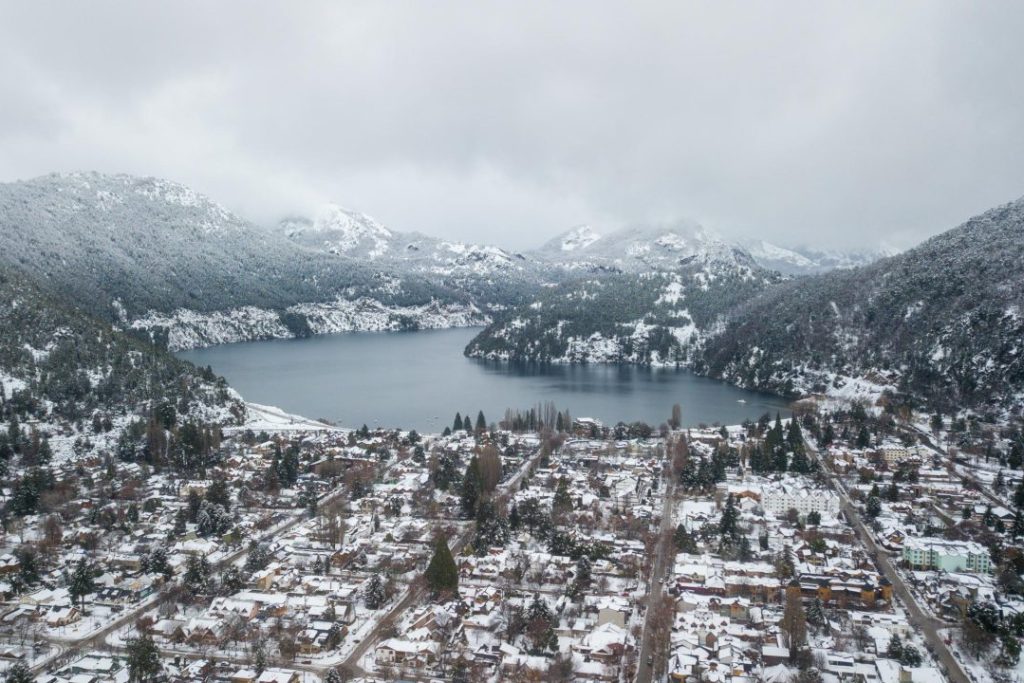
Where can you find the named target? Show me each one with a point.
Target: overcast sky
(847, 123)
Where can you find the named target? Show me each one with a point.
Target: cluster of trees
(783, 450)
(548, 525)
(29, 490)
(733, 543)
(143, 659)
(283, 470)
(82, 582)
(476, 496)
(683, 540)
(161, 441)
(536, 419)
(464, 424)
(985, 626)
(444, 470)
(210, 513)
(480, 479)
(198, 576)
(701, 474)
(375, 593)
(907, 655)
(90, 371)
(492, 528)
(156, 562)
(610, 307)
(32, 448)
(537, 624)
(951, 292)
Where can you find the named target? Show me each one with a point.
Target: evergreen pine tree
(19, 673)
(863, 437)
(683, 541)
(562, 502)
(892, 493)
(781, 459)
(727, 525)
(816, 614)
(259, 659)
(1018, 494)
(1018, 524)
(442, 575)
(744, 552)
(472, 486)
(794, 438)
(491, 528)
(581, 580)
(800, 463)
(143, 659)
(197, 575)
(540, 626)
(374, 594)
(82, 582)
(895, 649)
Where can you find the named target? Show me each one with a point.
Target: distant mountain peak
(644, 247)
(580, 237)
(809, 260)
(106, 192)
(341, 231)
(337, 218)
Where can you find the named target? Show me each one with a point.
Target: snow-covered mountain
(340, 231)
(572, 240)
(941, 323)
(137, 250)
(645, 294)
(344, 232)
(809, 261)
(644, 248)
(157, 257)
(70, 366)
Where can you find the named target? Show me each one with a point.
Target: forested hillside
(488, 274)
(124, 246)
(58, 365)
(648, 318)
(941, 322)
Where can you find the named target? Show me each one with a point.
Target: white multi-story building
(950, 556)
(895, 453)
(780, 497)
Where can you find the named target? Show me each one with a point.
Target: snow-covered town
(840, 545)
(462, 342)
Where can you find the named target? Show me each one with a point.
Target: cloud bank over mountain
(825, 125)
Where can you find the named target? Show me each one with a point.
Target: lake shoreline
(420, 379)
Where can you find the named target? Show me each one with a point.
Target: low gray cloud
(800, 122)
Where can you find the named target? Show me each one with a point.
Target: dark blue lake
(420, 379)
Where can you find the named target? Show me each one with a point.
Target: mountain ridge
(941, 322)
